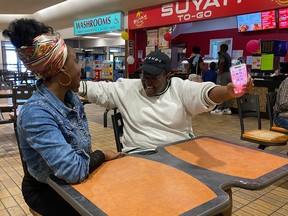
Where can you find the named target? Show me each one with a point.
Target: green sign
(104, 23)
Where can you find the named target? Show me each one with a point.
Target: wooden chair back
(20, 95)
(7, 105)
(248, 106)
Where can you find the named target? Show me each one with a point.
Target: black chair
(248, 106)
(7, 106)
(271, 99)
(117, 122)
(106, 114)
(24, 166)
(20, 95)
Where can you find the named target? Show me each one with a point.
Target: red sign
(183, 11)
(268, 19)
(283, 18)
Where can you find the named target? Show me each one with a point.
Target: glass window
(10, 60)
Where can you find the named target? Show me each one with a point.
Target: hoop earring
(64, 84)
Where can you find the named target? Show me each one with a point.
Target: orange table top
(143, 187)
(226, 158)
(187, 177)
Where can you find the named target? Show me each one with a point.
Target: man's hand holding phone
(239, 78)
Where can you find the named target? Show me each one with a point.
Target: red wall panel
(240, 40)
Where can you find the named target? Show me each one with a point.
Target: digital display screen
(257, 21)
(283, 18)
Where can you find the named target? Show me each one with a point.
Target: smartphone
(239, 77)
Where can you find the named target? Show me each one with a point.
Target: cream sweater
(152, 121)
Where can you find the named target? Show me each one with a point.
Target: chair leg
(262, 147)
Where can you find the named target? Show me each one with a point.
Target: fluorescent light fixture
(114, 50)
(114, 33)
(90, 37)
(88, 50)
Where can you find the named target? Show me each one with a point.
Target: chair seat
(279, 129)
(267, 136)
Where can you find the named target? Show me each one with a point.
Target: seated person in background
(211, 74)
(52, 125)
(281, 106)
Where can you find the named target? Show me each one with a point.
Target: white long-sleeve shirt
(152, 121)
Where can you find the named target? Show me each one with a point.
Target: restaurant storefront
(166, 16)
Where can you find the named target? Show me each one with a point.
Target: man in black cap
(157, 109)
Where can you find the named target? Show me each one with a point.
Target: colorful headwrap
(46, 56)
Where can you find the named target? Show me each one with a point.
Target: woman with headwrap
(52, 125)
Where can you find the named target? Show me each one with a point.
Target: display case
(118, 67)
(106, 70)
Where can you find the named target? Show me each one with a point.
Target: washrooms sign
(105, 23)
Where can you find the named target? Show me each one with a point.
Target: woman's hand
(110, 155)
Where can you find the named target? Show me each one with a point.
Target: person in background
(196, 64)
(281, 106)
(223, 78)
(52, 126)
(211, 74)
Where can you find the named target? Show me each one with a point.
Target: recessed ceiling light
(90, 37)
(114, 33)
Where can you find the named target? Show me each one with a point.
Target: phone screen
(238, 77)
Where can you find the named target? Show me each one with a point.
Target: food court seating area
(269, 201)
(17, 77)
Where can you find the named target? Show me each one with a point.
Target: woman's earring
(66, 74)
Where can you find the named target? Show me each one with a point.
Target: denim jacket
(54, 138)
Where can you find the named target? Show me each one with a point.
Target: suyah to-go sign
(182, 11)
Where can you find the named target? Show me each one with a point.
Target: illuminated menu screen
(283, 18)
(257, 21)
(268, 20)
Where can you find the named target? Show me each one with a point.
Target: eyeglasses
(145, 76)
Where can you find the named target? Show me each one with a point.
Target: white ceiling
(60, 14)
(25, 6)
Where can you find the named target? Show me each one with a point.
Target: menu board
(257, 21)
(268, 20)
(283, 18)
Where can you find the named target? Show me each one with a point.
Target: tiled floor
(272, 200)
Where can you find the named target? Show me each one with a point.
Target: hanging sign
(104, 23)
(183, 11)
